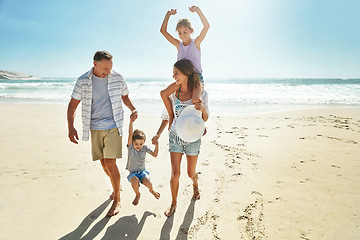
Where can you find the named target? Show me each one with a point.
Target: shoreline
(216, 109)
(289, 174)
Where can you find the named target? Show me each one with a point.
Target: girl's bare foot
(196, 193)
(168, 212)
(136, 200)
(115, 208)
(156, 194)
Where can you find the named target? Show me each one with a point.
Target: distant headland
(16, 76)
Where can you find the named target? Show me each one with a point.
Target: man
(102, 92)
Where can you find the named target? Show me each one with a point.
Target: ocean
(226, 96)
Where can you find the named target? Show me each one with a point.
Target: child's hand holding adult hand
(155, 139)
(134, 115)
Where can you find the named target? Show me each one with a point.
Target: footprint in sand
(209, 219)
(252, 218)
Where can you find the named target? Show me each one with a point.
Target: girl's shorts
(201, 78)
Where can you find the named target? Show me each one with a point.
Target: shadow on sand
(88, 220)
(184, 228)
(126, 227)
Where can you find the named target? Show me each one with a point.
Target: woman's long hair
(187, 68)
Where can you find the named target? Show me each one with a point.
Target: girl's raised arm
(131, 131)
(164, 31)
(205, 23)
(156, 150)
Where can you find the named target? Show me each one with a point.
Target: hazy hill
(15, 75)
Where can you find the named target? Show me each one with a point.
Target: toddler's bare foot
(136, 200)
(156, 194)
(168, 212)
(115, 208)
(196, 193)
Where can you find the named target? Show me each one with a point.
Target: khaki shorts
(106, 144)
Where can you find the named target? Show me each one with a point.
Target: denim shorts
(201, 78)
(140, 175)
(190, 149)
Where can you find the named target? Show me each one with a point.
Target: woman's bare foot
(112, 194)
(196, 193)
(168, 212)
(115, 208)
(205, 131)
(156, 194)
(136, 200)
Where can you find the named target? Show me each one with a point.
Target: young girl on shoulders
(187, 47)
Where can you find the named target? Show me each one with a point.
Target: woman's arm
(159, 131)
(200, 106)
(165, 94)
(167, 102)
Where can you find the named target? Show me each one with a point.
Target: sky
(246, 39)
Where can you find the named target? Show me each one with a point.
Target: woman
(188, 79)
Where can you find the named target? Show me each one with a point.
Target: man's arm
(73, 135)
(127, 101)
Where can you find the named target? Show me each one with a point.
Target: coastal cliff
(15, 76)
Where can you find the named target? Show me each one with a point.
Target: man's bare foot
(168, 212)
(196, 193)
(156, 194)
(136, 200)
(115, 208)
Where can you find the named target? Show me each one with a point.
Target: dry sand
(281, 175)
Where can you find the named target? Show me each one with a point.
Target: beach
(289, 174)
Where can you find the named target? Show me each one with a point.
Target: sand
(280, 175)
